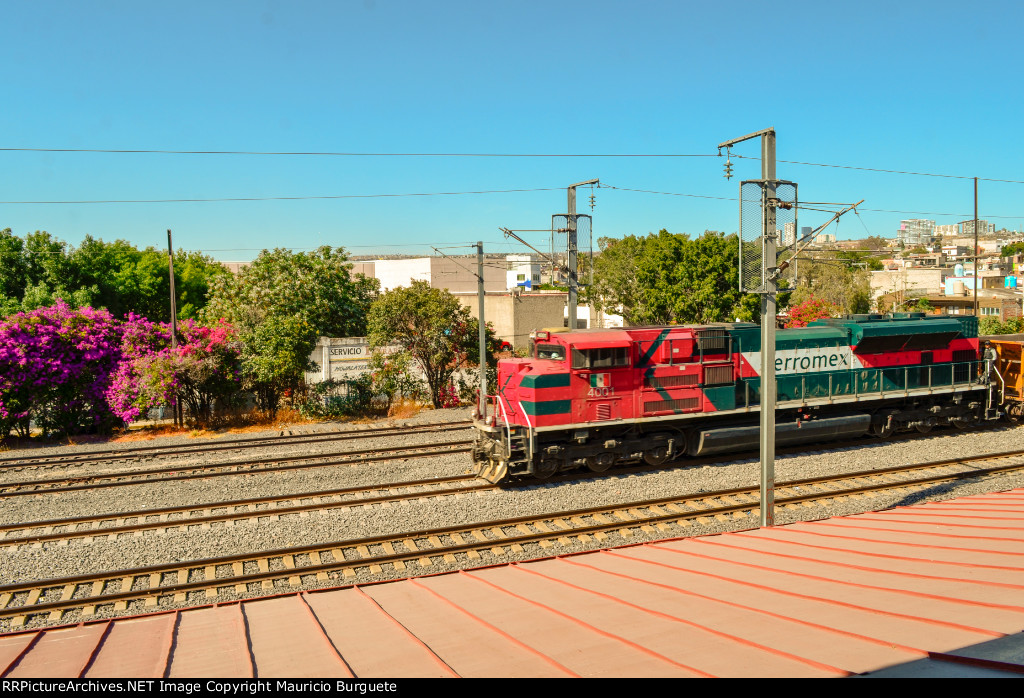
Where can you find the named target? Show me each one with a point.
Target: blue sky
(931, 87)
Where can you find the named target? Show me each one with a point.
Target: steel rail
(557, 525)
(439, 483)
(138, 477)
(21, 462)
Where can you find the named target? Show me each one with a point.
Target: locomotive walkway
(934, 589)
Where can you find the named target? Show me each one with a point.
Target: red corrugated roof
(829, 598)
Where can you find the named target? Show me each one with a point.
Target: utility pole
(769, 309)
(483, 330)
(573, 252)
(174, 321)
(975, 247)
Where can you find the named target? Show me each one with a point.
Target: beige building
(457, 274)
(908, 282)
(515, 315)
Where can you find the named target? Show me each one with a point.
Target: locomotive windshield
(604, 357)
(554, 352)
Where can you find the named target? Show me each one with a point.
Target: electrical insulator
(728, 169)
(592, 201)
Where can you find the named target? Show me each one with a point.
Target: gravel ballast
(36, 562)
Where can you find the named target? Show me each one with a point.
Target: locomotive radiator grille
(659, 382)
(718, 375)
(710, 341)
(682, 405)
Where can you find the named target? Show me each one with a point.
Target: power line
(802, 205)
(314, 153)
(885, 171)
(283, 198)
(356, 154)
(668, 193)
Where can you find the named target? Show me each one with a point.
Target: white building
(916, 231)
(457, 274)
(523, 270)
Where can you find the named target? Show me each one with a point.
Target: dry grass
(238, 423)
(404, 409)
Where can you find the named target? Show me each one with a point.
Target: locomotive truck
(597, 398)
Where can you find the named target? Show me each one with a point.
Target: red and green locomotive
(597, 398)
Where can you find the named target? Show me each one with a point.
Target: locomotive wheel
(545, 469)
(656, 456)
(967, 421)
(924, 428)
(600, 462)
(883, 430)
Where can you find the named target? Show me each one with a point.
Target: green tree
(280, 305)
(829, 278)
(615, 288)
(876, 242)
(1012, 249)
(668, 278)
(860, 259)
(194, 275)
(431, 326)
(13, 266)
(117, 276)
(990, 325)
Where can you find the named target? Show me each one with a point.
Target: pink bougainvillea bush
(201, 372)
(73, 371)
(810, 310)
(55, 369)
(132, 391)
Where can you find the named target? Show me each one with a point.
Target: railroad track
(90, 528)
(203, 581)
(207, 470)
(138, 453)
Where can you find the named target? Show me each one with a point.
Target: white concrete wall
(393, 273)
(342, 358)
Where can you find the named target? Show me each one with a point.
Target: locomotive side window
(605, 357)
(554, 352)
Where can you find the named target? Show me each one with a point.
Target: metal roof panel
(903, 591)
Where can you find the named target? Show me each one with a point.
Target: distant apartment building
(916, 231)
(789, 234)
(947, 230)
(984, 227)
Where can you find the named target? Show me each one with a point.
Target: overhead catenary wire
(287, 198)
(886, 171)
(152, 151)
(328, 153)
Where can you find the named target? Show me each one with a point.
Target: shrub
(56, 365)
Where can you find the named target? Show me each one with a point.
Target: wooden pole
(178, 421)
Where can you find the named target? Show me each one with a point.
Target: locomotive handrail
(883, 379)
(1002, 391)
(529, 429)
(504, 418)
